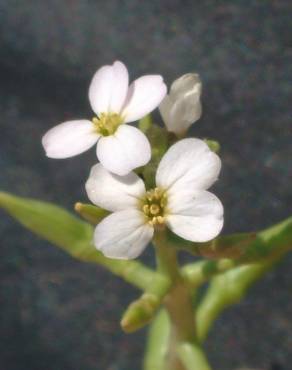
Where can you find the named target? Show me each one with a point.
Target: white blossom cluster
(180, 200)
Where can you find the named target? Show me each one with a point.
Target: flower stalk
(178, 304)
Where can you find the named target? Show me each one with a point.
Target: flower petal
(195, 203)
(196, 216)
(108, 88)
(123, 234)
(188, 164)
(69, 139)
(113, 192)
(144, 95)
(127, 149)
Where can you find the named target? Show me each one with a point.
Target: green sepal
(213, 145)
(140, 312)
(159, 141)
(145, 123)
(90, 212)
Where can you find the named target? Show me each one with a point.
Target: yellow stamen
(146, 209)
(154, 206)
(107, 123)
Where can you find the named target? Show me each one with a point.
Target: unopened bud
(182, 106)
(139, 313)
(90, 213)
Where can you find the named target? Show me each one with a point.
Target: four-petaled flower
(180, 201)
(120, 147)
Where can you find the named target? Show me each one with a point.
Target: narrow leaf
(75, 237)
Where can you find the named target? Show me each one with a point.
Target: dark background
(59, 314)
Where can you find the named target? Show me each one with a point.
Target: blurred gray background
(59, 314)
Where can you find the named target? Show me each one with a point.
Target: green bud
(140, 312)
(90, 213)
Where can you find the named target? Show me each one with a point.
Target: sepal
(159, 141)
(145, 123)
(213, 145)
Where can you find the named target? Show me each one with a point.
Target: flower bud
(140, 312)
(90, 213)
(182, 106)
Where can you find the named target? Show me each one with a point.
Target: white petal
(69, 139)
(123, 234)
(113, 192)
(108, 88)
(195, 229)
(195, 203)
(188, 83)
(196, 216)
(188, 164)
(144, 95)
(124, 151)
(120, 87)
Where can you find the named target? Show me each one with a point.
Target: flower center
(107, 123)
(154, 206)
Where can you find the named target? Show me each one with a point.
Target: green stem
(200, 272)
(178, 303)
(191, 355)
(226, 290)
(157, 344)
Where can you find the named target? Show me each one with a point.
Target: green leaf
(51, 223)
(75, 237)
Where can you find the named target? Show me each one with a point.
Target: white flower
(120, 147)
(180, 201)
(182, 106)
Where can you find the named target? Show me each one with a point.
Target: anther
(156, 193)
(146, 209)
(160, 219)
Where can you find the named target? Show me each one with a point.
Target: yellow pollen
(107, 123)
(154, 206)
